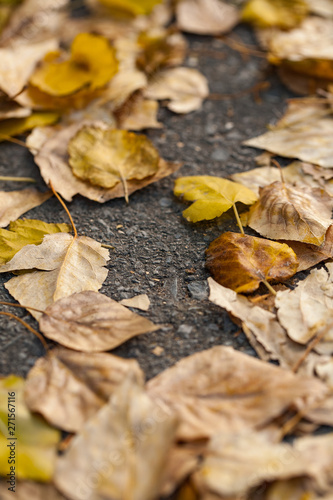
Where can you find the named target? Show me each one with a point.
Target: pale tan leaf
(121, 452)
(10, 109)
(138, 302)
(182, 461)
(27, 490)
(222, 390)
(68, 387)
(142, 115)
(15, 203)
(206, 17)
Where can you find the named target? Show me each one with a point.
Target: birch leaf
(134, 7)
(242, 262)
(68, 387)
(284, 14)
(212, 196)
(206, 17)
(25, 232)
(15, 203)
(36, 444)
(16, 126)
(92, 64)
(73, 265)
(92, 322)
(290, 213)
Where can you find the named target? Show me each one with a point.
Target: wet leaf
(92, 322)
(68, 387)
(92, 64)
(304, 132)
(223, 390)
(134, 7)
(60, 266)
(284, 14)
(26, 232)
(16, 126)
(108, 157)
(212, 196)
(15, 203)
(206, 17)
(35, 447)
(131, 436)
(185, 87)
(243, 262)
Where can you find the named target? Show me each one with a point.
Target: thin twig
(277, 164)
(239, 222)
(17, 179)
(32, 330)
(8, 138)
(65, 208)
(310, 348)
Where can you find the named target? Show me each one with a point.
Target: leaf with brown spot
(285, 212)
(243, 262)
(92, 322)
(69, 387)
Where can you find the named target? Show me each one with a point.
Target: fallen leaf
(140, 115)
(92, 322)
(25, 232)
(10, 109)
(138, 302)
(73, 265)
(186, 88)
(182, 461)
(324, 370)
(92, 64)
(15, 203)
(284, 14)
(242, 262)
(123, 447)
(223, 390)
(16, 126)
(212, 196)
(304, 132)
(134, 7)
(35, 447)
(288, 213)
(206, 17)
(26, 490)
(68, 387)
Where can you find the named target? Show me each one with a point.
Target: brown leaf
(223, 390)
(206, 17)
(92, 322)
(68, 387)
(288, 213)
(15, 203)
(27, 490)
(182, 461)
(242, 262)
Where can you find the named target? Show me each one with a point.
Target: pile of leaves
(212, 426)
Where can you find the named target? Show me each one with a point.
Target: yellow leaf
(35, 446)
(91, 65)
(133, 7)
(282, 13)
(212, 196)
(16, 126)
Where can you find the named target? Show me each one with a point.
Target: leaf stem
(8, 138)
(32, 330)
(65, 208)
(310, 347)
(239, 223)
(16, 179)
(270, 288)
(277, 164)
(123, 180)
(21, 307)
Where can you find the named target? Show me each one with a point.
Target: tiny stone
(165, 202)
(198, 290)
(220, 154)
(185, 330)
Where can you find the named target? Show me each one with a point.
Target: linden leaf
(107, 157)
(288, 213)
(60, 266)
(69, 387)
(133, 7)
(25, 232)
(15, 203)
(282, 13)
(16, 126)
(243, 262)
(212, 196)
(36, 443)
(92, 64)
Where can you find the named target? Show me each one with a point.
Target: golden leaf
(269, 13)
(242, 262)
(134, 7)
(16, 126)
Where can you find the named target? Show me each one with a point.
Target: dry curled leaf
(212, 196)
(68, 387)
(138, 302)
(206, 17)
(27, 490)
(288, 213)
(242, 262)
(60, 266)
(15, 203)
(92, 322)
(223, 390)
(141, 115)
(16, 126)
(125, 446)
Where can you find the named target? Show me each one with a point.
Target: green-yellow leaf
(91, 65)
(35, 446)
(212, 196)
(26, 232)
(16, 126)
(133, 7)
(284, 14)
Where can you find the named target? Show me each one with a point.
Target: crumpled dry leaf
(26, 490)
(25, 232)
(52, 159)
(91, 65)
(141, 115)
(212, 196)
(308, 309)
(206, 17)
(182, 461)
(305, 132)
(60, 266)
(242, 262)
(15, 203)
(138, 302)
(92, 322)
(288, 213)
(185, 87)
(10, 109)
(35, 448)
(284, 14)
(68, 387)
(122, 450)
(223, 390)
(16, 126)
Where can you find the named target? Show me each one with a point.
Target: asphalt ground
(156, 251)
